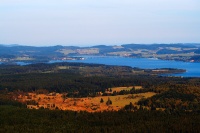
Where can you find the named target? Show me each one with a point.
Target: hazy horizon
(197, 44)
(105, 22)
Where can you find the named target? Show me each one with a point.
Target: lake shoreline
(185, 69)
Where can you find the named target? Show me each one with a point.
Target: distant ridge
(178, 51)
(9, 45)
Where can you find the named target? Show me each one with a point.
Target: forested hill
(183, 52)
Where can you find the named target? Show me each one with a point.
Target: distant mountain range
(182, 52)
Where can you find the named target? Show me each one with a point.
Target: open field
(67, 51)
(24, 58)
(118, 89)
(89, 104)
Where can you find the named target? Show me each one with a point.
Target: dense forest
(16, 119)
(69, 77)
(175, 107)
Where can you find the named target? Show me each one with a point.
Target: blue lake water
(192, 69)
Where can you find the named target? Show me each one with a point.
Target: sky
(97, 22)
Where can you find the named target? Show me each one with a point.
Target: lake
(192, 69)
